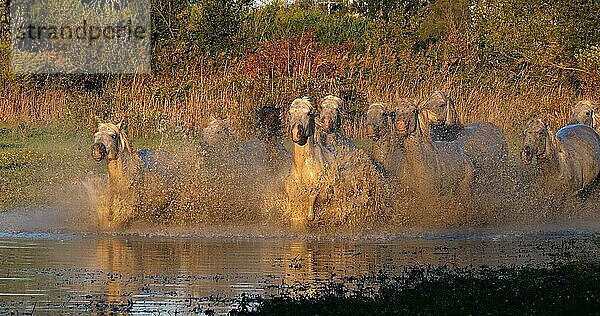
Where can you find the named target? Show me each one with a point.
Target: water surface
(47, 273)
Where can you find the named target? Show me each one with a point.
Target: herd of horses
(421, 148)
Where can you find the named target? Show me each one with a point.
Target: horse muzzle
(526, 155)
(98, 151)
(373, 132)
(299, 135)
(402, 127)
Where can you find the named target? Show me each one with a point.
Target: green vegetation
(33, 162)
(39, 163)
(503, 61)
(562, 289)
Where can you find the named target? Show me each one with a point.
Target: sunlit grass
(37, 163)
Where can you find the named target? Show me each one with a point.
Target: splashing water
(231, 182)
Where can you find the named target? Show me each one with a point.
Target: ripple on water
(112, 272)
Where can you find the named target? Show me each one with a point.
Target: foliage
(542, 33)
(297, 55)
(213, 57)
(276, 21)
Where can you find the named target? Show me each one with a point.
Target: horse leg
(311, 206)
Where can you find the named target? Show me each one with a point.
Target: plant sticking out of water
(557, 289)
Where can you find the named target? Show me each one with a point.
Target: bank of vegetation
(502, 60)
(558, 289)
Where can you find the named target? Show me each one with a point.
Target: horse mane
(422, 124)
(452, 114)
(124, 142)
(303, 102)
(552, 144)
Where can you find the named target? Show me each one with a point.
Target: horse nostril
(401, 126)
(326, 122)
(370, 129)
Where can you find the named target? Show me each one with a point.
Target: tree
(540, 32)
(214, 24)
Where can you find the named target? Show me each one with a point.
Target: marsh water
(141, 273)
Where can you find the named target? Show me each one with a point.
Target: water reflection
(134, 274)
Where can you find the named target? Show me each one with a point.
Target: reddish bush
(299, 55)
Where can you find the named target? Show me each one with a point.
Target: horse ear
(122, 125)
(451, 115)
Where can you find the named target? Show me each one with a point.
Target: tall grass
(32, 105)
(275, 73)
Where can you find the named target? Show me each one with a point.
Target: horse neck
(117, 171)
(422, 129)
(330, 138)
(549, 164)
(120, 169)
(419, 141)
(387, 146)
(311, 155)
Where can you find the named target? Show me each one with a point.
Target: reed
(277, 72)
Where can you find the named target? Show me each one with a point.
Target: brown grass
(275, 74)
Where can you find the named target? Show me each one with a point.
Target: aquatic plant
(562, 288)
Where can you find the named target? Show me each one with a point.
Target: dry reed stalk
(229, 94)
